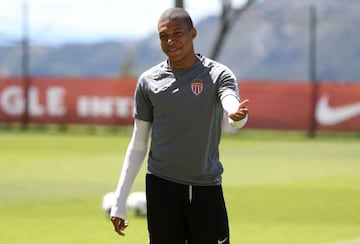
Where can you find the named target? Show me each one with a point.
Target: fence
(109, 101)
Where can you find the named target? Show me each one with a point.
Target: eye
(178, 33)
(163, 37)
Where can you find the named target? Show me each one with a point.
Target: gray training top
(185, 109)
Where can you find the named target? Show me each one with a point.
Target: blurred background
(296, 59)
(68, 71)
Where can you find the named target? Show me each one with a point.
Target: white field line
(352, 241)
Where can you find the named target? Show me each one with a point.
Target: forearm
(134, 157)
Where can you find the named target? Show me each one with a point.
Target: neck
(183, 64)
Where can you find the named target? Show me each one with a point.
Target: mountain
(269, 41)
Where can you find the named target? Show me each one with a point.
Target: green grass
(280, 189)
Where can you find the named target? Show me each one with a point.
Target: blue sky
(59, 21)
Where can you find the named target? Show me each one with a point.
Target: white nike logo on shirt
(327, 115)
(222, 241)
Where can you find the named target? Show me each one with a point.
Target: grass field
(280, 189)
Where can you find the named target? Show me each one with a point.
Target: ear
(193, 33)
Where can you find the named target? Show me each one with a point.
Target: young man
(181, 101)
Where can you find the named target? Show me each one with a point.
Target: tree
(229, 15)
(179, 3)
(127, 67)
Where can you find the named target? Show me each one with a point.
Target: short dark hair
(177, 13)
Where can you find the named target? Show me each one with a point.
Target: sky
(61, 21)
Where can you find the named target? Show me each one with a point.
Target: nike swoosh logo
(222, 241)
(175, 90)
(327, 115)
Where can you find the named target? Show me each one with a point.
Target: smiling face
(176, 37)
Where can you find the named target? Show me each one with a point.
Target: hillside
(270, 41)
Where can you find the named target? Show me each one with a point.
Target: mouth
(173, 50)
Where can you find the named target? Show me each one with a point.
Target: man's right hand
(119, 225)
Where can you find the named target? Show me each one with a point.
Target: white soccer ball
(107, 202)
(136, 201)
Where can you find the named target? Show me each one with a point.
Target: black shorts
(183, 214)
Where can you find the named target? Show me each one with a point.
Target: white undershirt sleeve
(231, 104)
(134, 158)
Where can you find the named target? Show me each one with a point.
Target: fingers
(119, 225)
(239, 115)
(243, 108)
(244, 103)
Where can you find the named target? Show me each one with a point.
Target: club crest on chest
(197, 86)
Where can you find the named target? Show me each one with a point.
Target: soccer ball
(108, 201)
(136, 202)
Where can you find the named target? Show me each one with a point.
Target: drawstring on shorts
(190, 193)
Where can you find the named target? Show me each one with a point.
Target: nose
(171, 39)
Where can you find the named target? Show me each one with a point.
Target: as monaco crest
(196, 86)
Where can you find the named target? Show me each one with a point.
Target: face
(177, 42)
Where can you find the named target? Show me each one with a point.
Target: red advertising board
(109, 101)
(289, 105)
(68, 100)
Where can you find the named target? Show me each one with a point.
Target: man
(181, 101)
